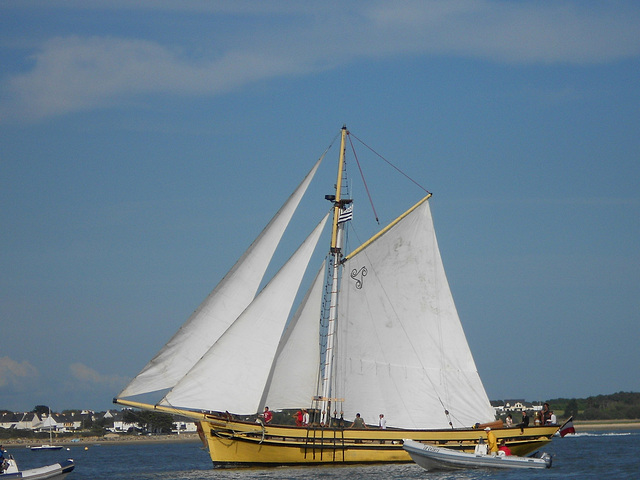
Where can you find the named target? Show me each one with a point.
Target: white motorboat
(431, 457)
(57, 471)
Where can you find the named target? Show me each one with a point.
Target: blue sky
(143, 147)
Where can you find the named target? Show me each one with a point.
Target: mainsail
(220, 309)
(402, 350)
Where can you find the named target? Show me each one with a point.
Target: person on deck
(525, 420)
(545, 415)
(298, 417)
(382, 423)
(358, 422)
(492, 443)
(305, 417)
(267, 415)
(509, 421)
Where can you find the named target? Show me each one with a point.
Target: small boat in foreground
(431, 457)
(57, 471)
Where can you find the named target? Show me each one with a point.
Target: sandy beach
(580, 426)
(105, 440)
(590, 425)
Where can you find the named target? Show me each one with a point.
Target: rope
(366, 187)
(390, 164)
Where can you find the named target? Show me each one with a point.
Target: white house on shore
(75, 421)
(517, 405)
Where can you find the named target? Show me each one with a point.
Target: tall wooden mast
(337, 203)
(336, 254)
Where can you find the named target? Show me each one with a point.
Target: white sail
(401, 346)
(230, 297)
(232, 375)
(295, 374)
(49, 423)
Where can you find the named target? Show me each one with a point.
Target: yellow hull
(233, 443)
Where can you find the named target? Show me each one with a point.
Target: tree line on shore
(615, 406)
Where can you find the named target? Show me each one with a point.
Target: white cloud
(88, 375)
(75, 73)
(512, 32)
(12, 371)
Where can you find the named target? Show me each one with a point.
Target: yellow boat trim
(161, 408)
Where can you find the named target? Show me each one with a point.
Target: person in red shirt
(267, 415)
(503, 448)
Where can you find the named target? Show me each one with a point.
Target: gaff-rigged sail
(233, 374)
(402, 350)
(223, 305)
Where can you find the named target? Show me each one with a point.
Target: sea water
(610, 455)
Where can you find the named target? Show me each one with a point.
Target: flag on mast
(346, 214)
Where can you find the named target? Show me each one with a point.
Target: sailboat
(377, 332)
(50, 424)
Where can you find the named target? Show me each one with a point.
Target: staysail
(298, 354)
(243, 355)
(402, 350)
(223, 305)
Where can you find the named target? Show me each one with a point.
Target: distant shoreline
(109, 439)
(588, 425)
(114, 439)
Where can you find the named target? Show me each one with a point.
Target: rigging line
(366, 187)
(331, 144)
(456, 419)
(390, 164)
